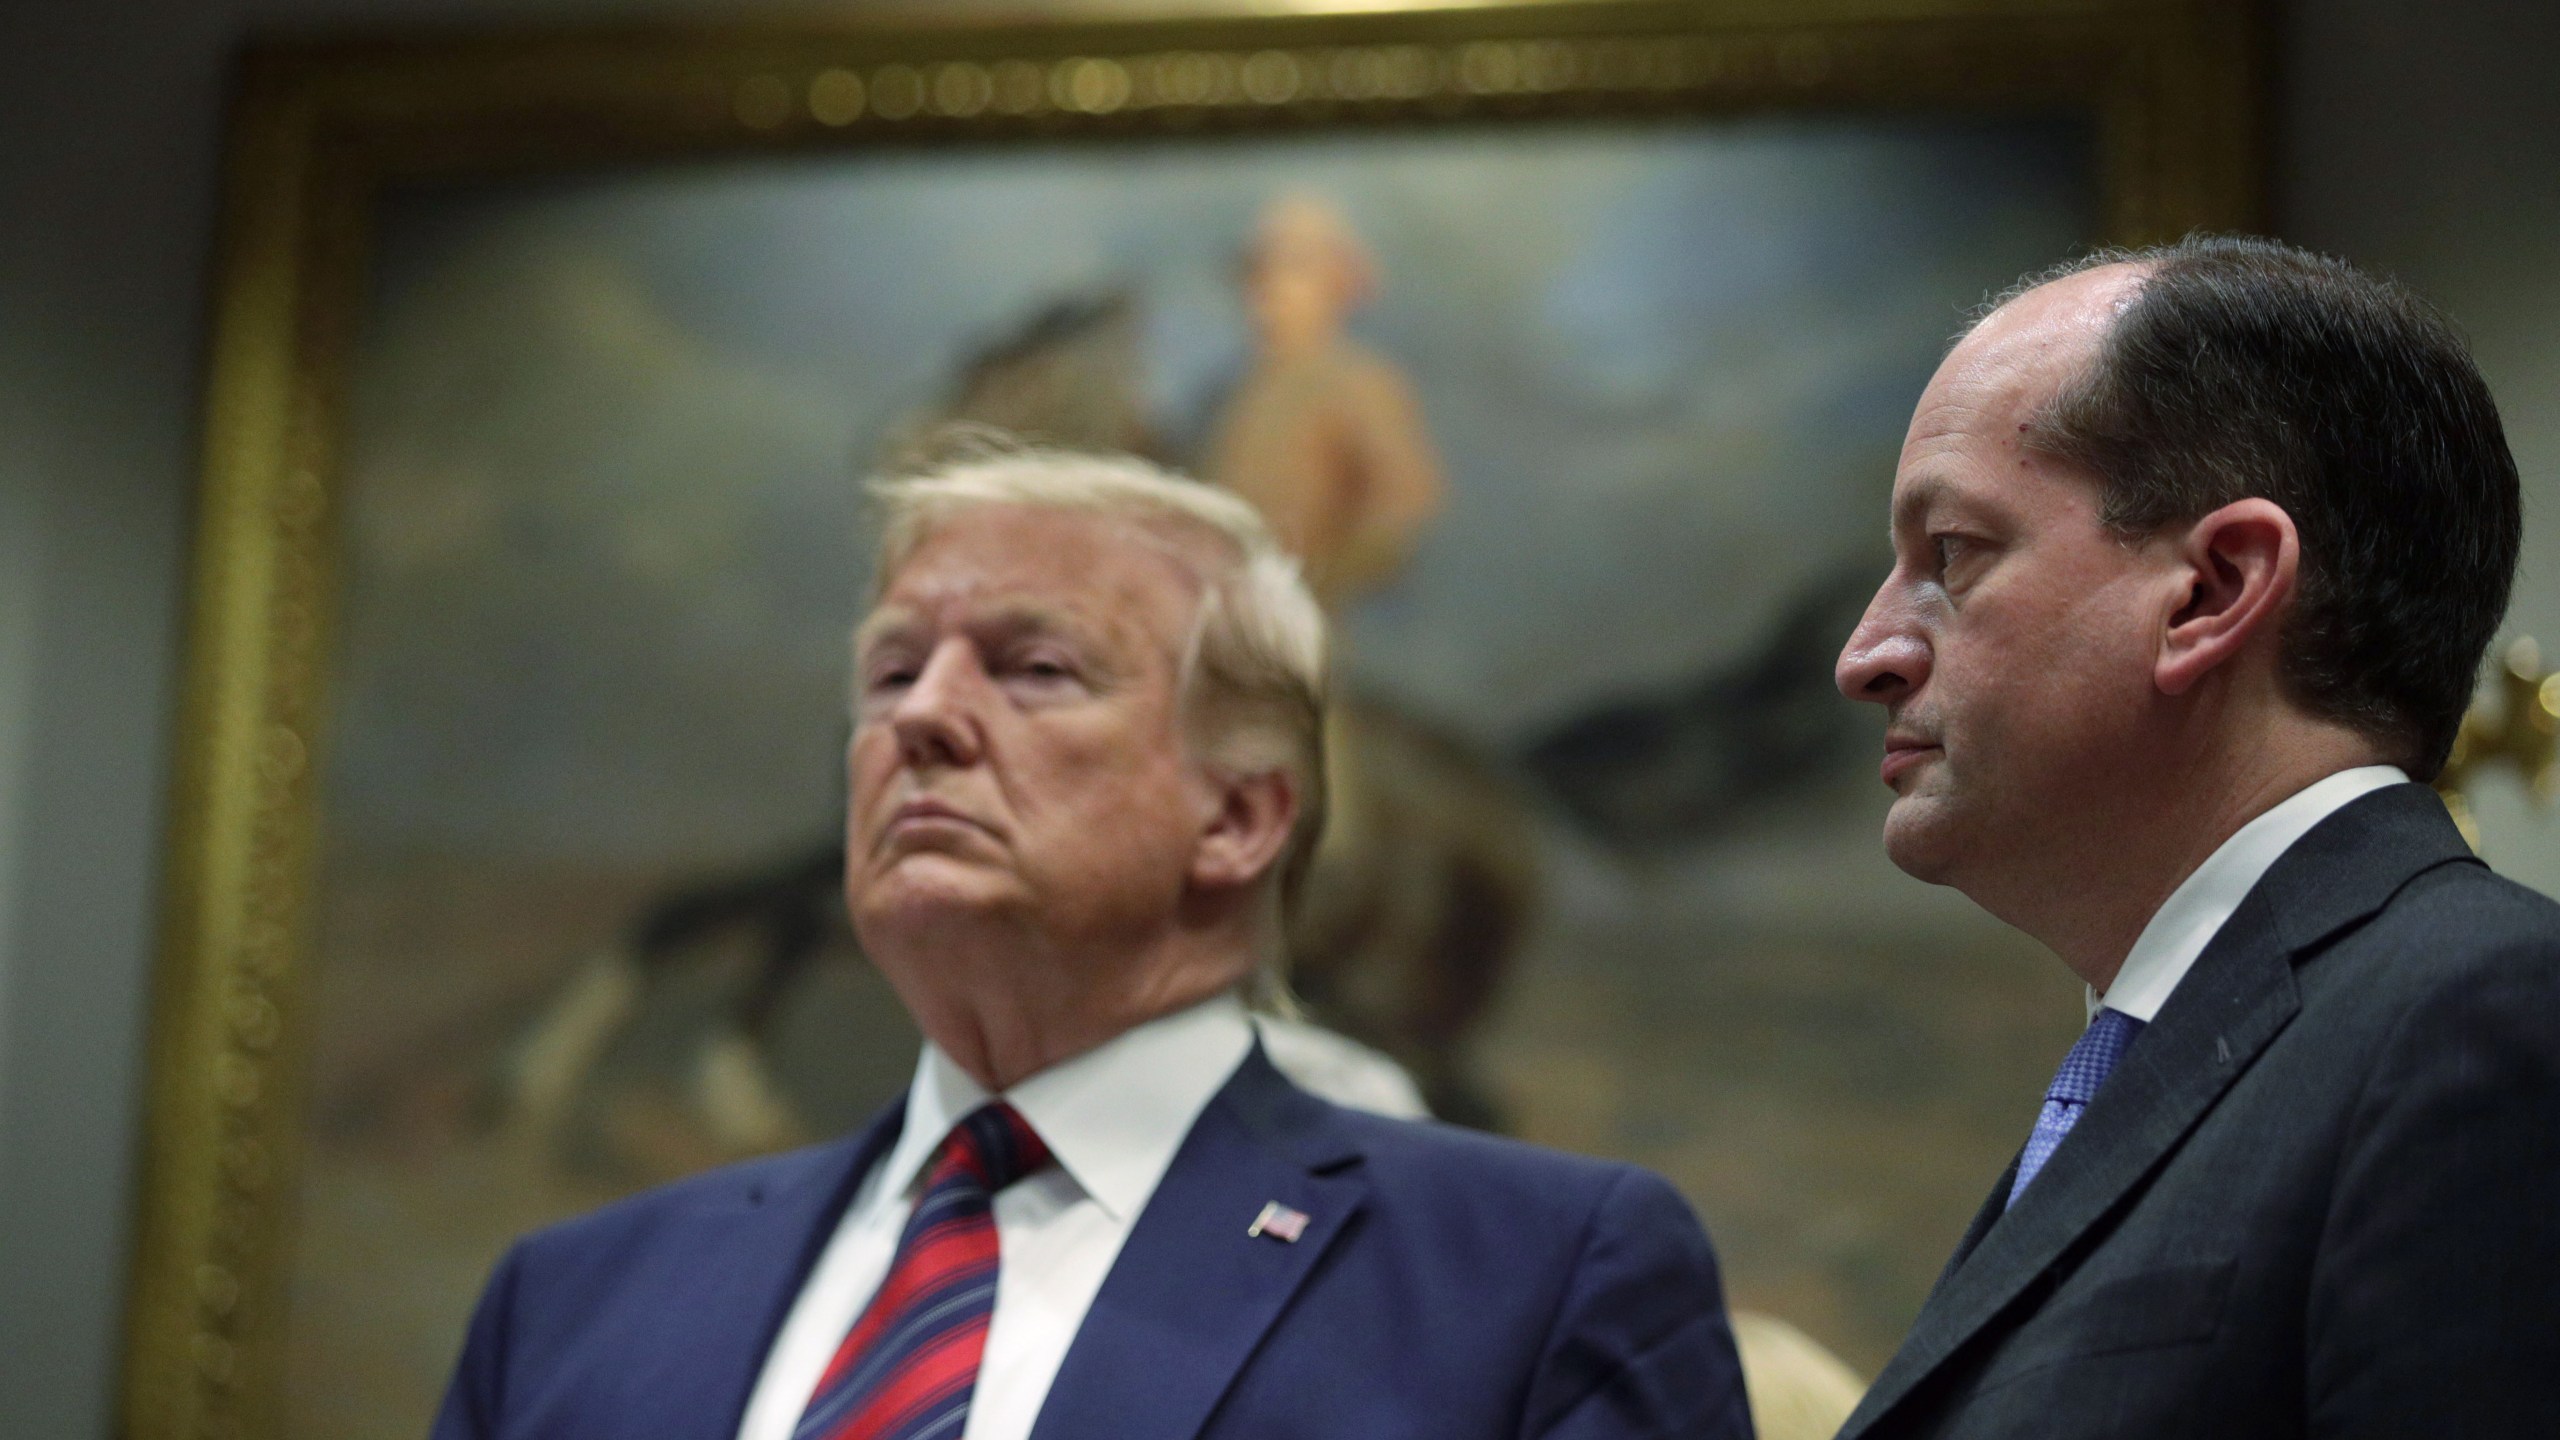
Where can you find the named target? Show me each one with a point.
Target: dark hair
(2245, 367)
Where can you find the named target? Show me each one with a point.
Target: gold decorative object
(2522, 732)
(321, 129)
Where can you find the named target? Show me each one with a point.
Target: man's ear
(2239, 565)
(1248, 829)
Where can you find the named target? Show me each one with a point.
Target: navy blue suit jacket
(1448, 1284)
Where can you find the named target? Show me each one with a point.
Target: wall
(20, 569)
(2424, 138)
(106, 160)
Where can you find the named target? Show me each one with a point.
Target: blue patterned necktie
(2074, 1086)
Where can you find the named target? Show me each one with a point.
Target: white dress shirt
(2195, 912)
(1112, 1117)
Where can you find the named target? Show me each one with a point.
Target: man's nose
(1886, 659)
(936, 720)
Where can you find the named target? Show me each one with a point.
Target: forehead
(1096, 573)
(1967, 436)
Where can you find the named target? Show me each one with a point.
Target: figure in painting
(1323, 435)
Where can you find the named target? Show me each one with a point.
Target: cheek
(1141, 793)
(2059, 692)
(869, 762)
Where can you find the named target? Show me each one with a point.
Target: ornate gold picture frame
(322, 130)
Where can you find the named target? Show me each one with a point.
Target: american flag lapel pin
(1279, 1222)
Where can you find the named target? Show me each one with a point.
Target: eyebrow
(878, 625)
(1915, 501)
(1013, 620)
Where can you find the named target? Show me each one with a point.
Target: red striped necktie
(908, 1367)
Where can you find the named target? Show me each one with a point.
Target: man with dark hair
(2196, 553)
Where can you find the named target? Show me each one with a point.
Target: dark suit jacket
(2320, 1195)
(1448, 1284)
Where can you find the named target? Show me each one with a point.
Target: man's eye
(1948, 549)
(890, 677)
(1043, 667)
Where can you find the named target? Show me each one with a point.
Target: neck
(1006, 1004)
(2094, 899)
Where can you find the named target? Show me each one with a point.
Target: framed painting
(547, 368)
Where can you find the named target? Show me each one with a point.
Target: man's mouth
(1902, 752)
(924, 813)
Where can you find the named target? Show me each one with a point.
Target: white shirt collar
(1113, 1116)
(2195, 912)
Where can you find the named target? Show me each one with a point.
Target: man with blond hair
(1088, 709)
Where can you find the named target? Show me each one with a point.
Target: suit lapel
(2237, 998)
(744, 1256)
(1192, 1293)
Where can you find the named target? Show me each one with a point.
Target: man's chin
(1917, 839)
(928, 891)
